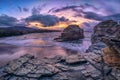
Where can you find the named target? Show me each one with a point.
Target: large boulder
(112, 52)
(107, 28)
(72, 32)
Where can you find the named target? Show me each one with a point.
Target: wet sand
(38, 45)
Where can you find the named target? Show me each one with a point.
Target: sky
(73, 10)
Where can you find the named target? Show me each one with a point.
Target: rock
(61, 76)
(29, 67)
(118, 34)
(62, 67)
(72, 32)
(112, 52)
(113, 43)
(59, 58)
(107, 29)
(111, 57)
(25, 69)
(96, 46)
(75, 59)
(15, 64)
(73, 75)
(56, 68)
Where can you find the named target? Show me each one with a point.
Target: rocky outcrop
(96, 47)
(28, 67)
(112, 52)
(71, 67)
(107, 28)
(72, 32)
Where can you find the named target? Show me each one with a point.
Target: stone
(108, 28)
(75, 59)
(45, 70)
(25, 69)
(20, 78)
(55, 59)
(111, 57)
(96, 46)
(52, 68)
(72, 32)
(69, 76)
(15, 64)
(62, 67)
(112, 52)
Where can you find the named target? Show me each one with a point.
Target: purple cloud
(46, 20)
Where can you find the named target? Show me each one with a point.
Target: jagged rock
(61, 76)
(96, 46)
(75, 59)
(28, 67)
(107, 28)
(69, 76)
(112, 52)
(72, 32)
(118, 34)
(32, 68)
(59, 58)
(113, 43)
(62, 67)
(15, 64)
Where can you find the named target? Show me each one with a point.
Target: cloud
(52, 9)
(89, 26)
(89, 9)
(24, 9)
(6, 20)
(80, 11)
(46, 20)
(113, 17)
(87, 5)
(92, 15)
(74, 7)
(19, 8)
(38, 9)
(89, 15)
(63, 19)
(65, 8)
(35, 11)
(106, 6)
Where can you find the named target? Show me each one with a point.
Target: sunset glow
(60, 25)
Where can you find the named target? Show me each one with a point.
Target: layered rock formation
(28, 67)
(72, 67)
(112, 52)
(107, 28)
(106, 36)
(72, 32)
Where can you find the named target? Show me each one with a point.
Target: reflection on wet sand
(36, 51)
(38, 44)
(7, 49)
